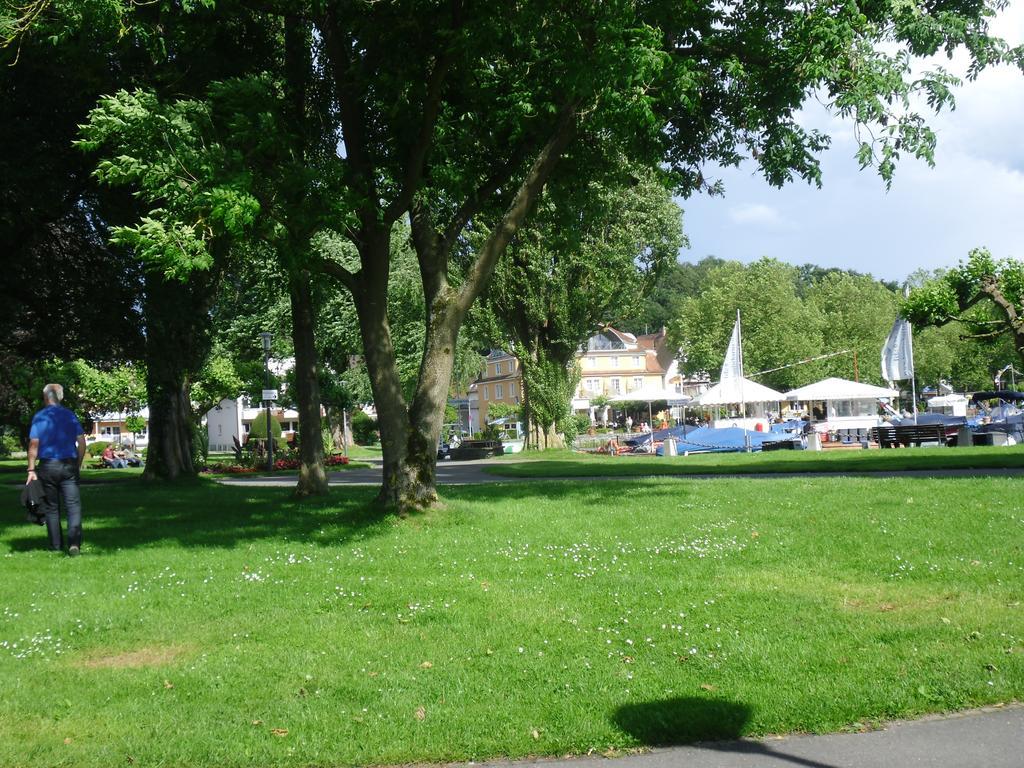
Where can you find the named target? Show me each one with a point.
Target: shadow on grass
(202, 514)
(715, 725)
(684, 720)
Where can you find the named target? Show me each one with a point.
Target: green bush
(258, 431)
(364, 429)
(8, 444)
(573, 426)
(501, 410)
(97, 448)
(200, 445)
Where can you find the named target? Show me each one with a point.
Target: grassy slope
(570, 464)
(524, 619)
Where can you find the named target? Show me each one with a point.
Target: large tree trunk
(312, 477)
(426, 418)
(338, 423)
(177, 343)
(381, 365)
(547, 391)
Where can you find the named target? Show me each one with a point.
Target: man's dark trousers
(60, 480)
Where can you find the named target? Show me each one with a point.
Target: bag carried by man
(32, 500)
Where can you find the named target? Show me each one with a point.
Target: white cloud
(931, 218)
(756, 213)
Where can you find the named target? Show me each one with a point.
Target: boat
(510, 433)
(1001, 424)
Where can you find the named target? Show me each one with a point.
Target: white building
(230, 420)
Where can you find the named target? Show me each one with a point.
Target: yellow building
(501, 382)
(617, 363)
(611, 363)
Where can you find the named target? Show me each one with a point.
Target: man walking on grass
(56, 450)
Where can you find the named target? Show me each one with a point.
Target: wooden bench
(895, 435)
(477, 449)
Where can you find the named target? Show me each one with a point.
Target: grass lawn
(231, 626)
(571, 464)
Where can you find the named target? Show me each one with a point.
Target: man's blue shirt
(57, 430)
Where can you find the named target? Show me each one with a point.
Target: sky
(930, 218)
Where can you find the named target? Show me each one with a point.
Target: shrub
(97, 448)
(573, 426)
(500, 410)
(364, 429)
(8, 444)
(258, 431)
(200, 445)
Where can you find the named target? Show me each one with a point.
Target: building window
(636, 361)
(590, 362)
(615, 361)
(594, 385)
(246, 427)
(485, 393)
(511, 389)
(638, 382)
(616, 386)
(498, 392)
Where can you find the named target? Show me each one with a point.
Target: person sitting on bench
(112, 460)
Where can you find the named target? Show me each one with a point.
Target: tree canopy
(984, 295)
(266, 125)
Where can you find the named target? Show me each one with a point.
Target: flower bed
(286, 463)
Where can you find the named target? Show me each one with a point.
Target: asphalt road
(472, 473)
(988, 738)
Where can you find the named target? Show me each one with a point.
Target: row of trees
(289, 138)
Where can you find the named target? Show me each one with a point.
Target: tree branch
(333, 269)
(351, 116)
(472, 205)
(432, 259)
(528, 192)
(424, 140)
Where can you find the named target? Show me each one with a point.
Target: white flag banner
(732, 368)
(898, 352)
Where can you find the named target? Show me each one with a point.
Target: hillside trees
(778, 328)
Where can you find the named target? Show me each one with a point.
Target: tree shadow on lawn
(201, 514)
(705, 723)
(206, 514)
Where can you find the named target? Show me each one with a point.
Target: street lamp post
(266, 337)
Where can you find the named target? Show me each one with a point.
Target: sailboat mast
(743, 399)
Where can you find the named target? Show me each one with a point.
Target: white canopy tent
(739, 390)
(844, 404)
(840, 389)
(651, 396)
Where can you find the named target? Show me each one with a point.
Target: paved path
(472, 473)
(988, 738)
